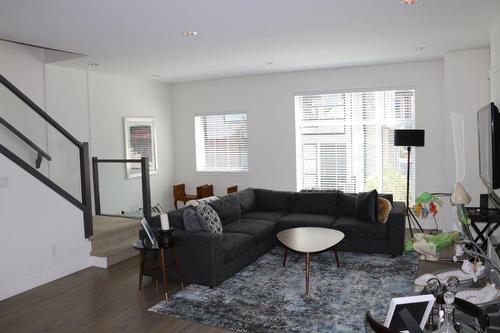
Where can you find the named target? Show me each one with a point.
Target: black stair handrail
(83, 147)
(38, 110)
(40, 151)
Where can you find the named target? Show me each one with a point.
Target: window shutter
(221, 143)
(345, 141)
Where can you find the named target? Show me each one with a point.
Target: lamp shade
(459, 195)
(409, 137)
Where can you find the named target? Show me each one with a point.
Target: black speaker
(483, 204)
(409, 137)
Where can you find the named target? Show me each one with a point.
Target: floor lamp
(409, 138)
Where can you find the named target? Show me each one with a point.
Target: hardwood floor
(92, 300)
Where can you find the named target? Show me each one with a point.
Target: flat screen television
(488, 125)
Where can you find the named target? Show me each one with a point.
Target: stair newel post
(146, 188)
(86, 191)
(95, 177)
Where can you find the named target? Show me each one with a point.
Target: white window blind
(221, 143)
(345, 141)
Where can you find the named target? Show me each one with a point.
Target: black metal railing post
(95, 177)
(86, 196)
(146, 189)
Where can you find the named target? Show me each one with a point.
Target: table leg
(308, 271)
(163, 269)
(336, 256)
(177, 268)
(284, 259)
(141, 274)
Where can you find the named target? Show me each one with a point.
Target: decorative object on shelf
(447, 325)
(427, 204)
(140, 141)
(409, 138)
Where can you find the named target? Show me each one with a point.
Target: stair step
(112, 230)
(117, 252)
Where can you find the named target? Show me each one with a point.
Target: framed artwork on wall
(140, 141)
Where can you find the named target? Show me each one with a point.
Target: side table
(145, 246)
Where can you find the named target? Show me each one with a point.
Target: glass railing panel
(35, 132)
(64, 168)
(119, 195)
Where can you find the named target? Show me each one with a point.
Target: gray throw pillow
(192, 221)
(367, 206)
(209, 216)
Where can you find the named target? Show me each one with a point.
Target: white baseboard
(26, 283)
(98, 262)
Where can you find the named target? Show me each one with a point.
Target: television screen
(488, 133)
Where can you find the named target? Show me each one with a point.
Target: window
(221, 143)
(345, 141)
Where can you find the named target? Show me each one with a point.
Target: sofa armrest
(396, 227)
(200, 256)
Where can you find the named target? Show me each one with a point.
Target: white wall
(466, 91)
(495, 63)
(42, 235)
(111, 99)
(92, 107)
(269, 103)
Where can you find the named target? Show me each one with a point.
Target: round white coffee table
(310, 240)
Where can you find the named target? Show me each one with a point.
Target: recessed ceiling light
(409, 2)
(93, 65)
(420, 48)
(190, 33)
(155, 76)
(268, 62)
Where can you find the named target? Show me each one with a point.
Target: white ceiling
(236, 37)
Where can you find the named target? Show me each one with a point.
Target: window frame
(196, 139)
(298, 116)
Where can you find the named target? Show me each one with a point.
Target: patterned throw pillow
(209, 215)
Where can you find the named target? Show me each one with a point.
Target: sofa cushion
(272, 201)
(209, 216)
(347, 204)
(296, 220)
(234, 244)
(247, 199)
(260, 230)
(227, 207)
(315, 202)
(259, 215)
(367, 206)
(192, 221)
(355, 229)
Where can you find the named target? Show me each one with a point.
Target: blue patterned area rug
(267, 297)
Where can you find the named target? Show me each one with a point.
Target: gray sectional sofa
(252, 217)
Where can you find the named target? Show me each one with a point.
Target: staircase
(51, 154)
(112, 240)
